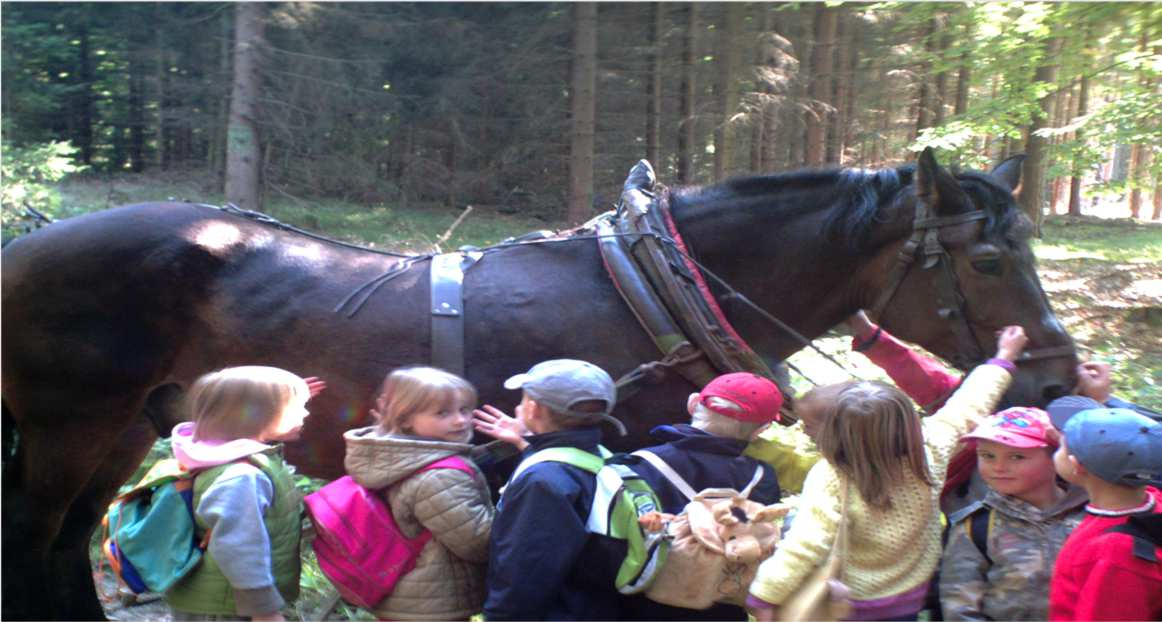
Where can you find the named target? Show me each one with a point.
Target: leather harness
(924, 244)
(666, 292)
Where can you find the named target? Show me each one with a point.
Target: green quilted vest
(206, 590)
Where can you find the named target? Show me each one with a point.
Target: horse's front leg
(70, 553)
(60, 461)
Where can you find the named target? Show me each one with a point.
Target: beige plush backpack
(717, 543)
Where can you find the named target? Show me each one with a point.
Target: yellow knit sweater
(889, 551)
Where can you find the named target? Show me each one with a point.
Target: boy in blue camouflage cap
(1109, 568)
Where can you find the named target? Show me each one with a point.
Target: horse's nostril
(1053, 392)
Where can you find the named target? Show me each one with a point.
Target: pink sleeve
(921, 377)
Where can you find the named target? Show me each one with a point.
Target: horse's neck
(790, 268)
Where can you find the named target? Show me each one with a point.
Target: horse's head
(960, 268)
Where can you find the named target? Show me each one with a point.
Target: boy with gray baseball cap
(575, 392)
(1110, 568)
(543, 563)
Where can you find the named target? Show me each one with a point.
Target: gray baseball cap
(561, 384)
(1117, 444)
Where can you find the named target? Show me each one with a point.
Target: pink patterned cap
(1019, 427)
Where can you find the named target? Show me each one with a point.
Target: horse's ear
(1008, 172)
(937, 188)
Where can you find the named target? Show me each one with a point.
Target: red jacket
(924, 380)
(1097, 576)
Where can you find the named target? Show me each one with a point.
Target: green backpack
(621, 498)
(149, 538)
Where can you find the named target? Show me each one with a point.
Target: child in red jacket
(1110, 568)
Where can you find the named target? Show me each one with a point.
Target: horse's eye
(987, 266)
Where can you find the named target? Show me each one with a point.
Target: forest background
(382, 122)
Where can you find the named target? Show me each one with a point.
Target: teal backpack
(621, 498)
(149, 533)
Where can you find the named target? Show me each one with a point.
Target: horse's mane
(856, 198)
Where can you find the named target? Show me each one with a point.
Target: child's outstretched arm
(921, 377)
(497, 424)
(973, 401)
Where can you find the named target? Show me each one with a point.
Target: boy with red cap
(708, 453)
(1001, 549)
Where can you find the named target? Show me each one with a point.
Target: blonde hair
(241, 402)
(721, 425)
(872, 435)
(411, 390)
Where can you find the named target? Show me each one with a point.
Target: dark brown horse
(107, 317)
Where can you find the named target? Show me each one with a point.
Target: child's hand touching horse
(1011, 342)
(495, 423)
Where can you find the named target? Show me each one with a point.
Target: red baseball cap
(758, 399)
(1018, 427)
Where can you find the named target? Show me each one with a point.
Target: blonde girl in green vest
(244, 493)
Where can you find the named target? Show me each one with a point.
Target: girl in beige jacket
(425, 415)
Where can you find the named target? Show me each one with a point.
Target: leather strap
(447, 285)
(669, 473)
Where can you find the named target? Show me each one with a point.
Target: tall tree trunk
(163, 86)
(822, 59)
(1078, 174)
(727, 57)
(758, 118)
(243, 147)
(686, 116)
(778, 57)
(219, 110)
(583, 102)
(83, 135)
(1157, 200)
(654, 95)
(136, 103)
(924, 98)
(841, 120)
(963, 80)
(1033, 179)
(1062, 104)
(988, 140)
(943, 41)
(1141, 157)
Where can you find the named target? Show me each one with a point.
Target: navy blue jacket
(704, 461)
(542, 563)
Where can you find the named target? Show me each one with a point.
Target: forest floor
(1102, 276)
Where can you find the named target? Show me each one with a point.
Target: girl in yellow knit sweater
(894, 464)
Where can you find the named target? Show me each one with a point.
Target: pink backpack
(358, 543)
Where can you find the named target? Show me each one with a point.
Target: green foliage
(29, 174)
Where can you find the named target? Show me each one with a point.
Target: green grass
(1121, 241)
(412, 229)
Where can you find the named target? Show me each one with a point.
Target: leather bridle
(924, 244)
